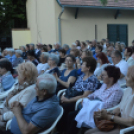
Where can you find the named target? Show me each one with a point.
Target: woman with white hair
(23, 92)
(19, 59)
(53, 61)
(43, 66)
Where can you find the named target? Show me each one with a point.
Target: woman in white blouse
(102, 63)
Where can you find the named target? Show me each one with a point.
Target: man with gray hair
(41, 112)
(66, 48)
(121, 64)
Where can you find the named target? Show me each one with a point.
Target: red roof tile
(111, 3)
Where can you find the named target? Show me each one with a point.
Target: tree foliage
(104, 2)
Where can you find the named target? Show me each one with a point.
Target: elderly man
(57, 48)
(41, 112)
(118, 62)
(43, 66)
(110, 49)
(66, 48)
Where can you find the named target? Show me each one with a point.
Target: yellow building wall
(20, 37)
(43, 22)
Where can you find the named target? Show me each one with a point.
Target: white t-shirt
(123, 68)
(43, 67)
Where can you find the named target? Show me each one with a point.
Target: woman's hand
(101, 114)
(116, 111)
(64, 99)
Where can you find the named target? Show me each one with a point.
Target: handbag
(104, 125)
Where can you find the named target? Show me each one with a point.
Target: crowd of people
(92, 70)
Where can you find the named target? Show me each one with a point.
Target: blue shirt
(65, 78)
(41, 114)
(12, 58)
(95, 56)
(110, 59)
(68, 52)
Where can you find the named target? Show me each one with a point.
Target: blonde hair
(29, 71)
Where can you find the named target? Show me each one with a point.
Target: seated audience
(104, 46)
(49, 48)
(123, 46)
(53, 61)
(118, 62)
(66, 48)
(73, 46)
(109, 95)
(6, 72)
(83, 46)
(86, 84)
(57, 47)
(19, 59)
(123, 116)
(31, 57)
(38, 51)
(98, 49)
(24, 54)
(41, 112)
(110, 49)
(27, 48)
(89, 44)
(23, 91)
(62, 54)
(43, 66)
(44, 48)
(68, 75)
(5, 53)
(93, 45)
(102, 61)
(32, 47)
(119, 48)
(128, 53)
(12, 56)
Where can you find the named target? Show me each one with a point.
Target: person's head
(98, 49)
(49, 47)
(94, 43)
(130, 77)
(58, 45)
(118, 47)
(31, 46)
(5, 52)
(103, 41)
(27, 47)
(107, 44)
(31, 55)
(44, 57)
(86, 53)
(111, 43)
(123, 45)
(62, 53)
(78, 43)
(5, 66)
(88, 65)
(73, 46)
(116, 56)
(11, 51)
(111, 74)
(46, 85)
(128, 51)
(27, 72)
(44, 49)
(66, 47)
(70, 61)
(133, 43)
(18, 53)
(83, 45)
(110, 49)
(53, 60)
(23, 49)
(117, 43)
(102, 58)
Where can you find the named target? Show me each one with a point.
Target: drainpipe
(59, 25)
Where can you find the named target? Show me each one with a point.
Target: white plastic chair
(5, 93)
(49, 130)
(126, 130)
(61, 92)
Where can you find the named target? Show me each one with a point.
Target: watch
(112, 118)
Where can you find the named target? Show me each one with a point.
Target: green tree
(104, 2)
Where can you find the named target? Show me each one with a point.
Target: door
(117, 33)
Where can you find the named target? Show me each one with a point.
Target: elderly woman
(43, 66)
(86, 84)
(23, 91)
(125, 109)
(68, 75)
(6, 78)
(128, 53)
(109, 95)
(19, 59)
(53, 61)
(102, 61)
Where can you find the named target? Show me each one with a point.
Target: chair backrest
(54, 124)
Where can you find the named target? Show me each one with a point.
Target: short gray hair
(54, 57)
(66, 46)
(46, 55)
(123, 43)
(48, 82)
(23, 47)
(19, 52)
(117, 53)
(10, 50)
(58, 43)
